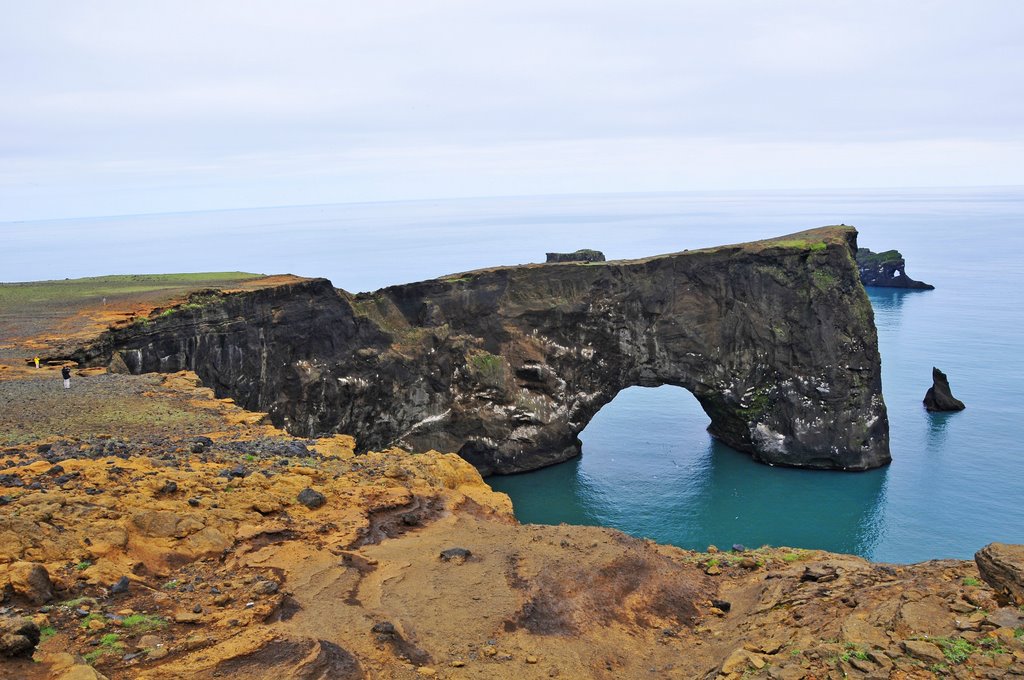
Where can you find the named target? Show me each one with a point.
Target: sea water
(648, 466)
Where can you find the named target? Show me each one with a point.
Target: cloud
(193, 97)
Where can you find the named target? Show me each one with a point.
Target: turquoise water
(648, 466)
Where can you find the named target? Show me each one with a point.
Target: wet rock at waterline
(939, 397)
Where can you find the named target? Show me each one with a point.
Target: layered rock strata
(506, 366)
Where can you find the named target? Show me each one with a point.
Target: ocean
(648, 466)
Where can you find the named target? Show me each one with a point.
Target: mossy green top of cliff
(71, 290)
(871, 260)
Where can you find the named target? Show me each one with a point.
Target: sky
(127, 107)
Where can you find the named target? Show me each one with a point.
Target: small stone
(121, 586)
(722, 604)
(222, 599)
(158, 653)
(311, 499)
(925, 651)
(457, 555)
(148, 642)
(194, 502)
(739, 547)
(383, 628)
(426, 671)
(187, 617)
(457, 664)
(531, 659)
(712, 570)
(265, 588)
(198, 609)
(169, 487)
(490, 651)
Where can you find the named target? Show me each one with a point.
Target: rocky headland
(152, 529)
(506, 366)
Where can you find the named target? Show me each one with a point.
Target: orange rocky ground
(150, 530)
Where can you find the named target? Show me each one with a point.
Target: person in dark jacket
(66, 374)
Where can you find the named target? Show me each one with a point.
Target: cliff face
(506, 366)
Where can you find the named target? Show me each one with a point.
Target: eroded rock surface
(506, 366)
(1002, 567)
(232, 577)
(939, 396)
(886, 270)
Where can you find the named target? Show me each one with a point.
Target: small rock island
(886, 270)
(939, 396)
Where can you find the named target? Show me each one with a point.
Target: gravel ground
(33, 410)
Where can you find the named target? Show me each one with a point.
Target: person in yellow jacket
(37, 361)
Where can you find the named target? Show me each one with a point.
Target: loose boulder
(31, 581)
(1002, 567)
(18, 637)
(311, 499)
(939, 397)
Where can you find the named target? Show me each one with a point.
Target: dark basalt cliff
(506, 366)
(886, 270)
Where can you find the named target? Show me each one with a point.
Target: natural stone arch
(775, 339)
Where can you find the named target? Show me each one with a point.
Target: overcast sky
(128, 107)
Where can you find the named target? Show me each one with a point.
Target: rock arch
(775, 338)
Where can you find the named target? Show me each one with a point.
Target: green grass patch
(854, 651)
(992, 646)
(106, 286)
(971, 581)
(488, 369)
(801, 244)
(83, 565)
(955, 649)
(143, 623)
(46, 632)
(110, 644)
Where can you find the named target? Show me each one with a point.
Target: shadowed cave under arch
(506, 366)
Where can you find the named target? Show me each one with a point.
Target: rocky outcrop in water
(582, 255)
(506, 366)
(886, 269)
(939, 397)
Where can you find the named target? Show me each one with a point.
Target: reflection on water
(937, 423)
(670, 481)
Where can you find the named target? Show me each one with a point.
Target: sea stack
(939, 397)
(886, 270)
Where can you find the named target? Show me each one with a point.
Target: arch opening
(650, 468)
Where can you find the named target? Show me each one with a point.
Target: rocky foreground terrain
(150, 530)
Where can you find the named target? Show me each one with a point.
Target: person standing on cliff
(65, 373)
(37, 361)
